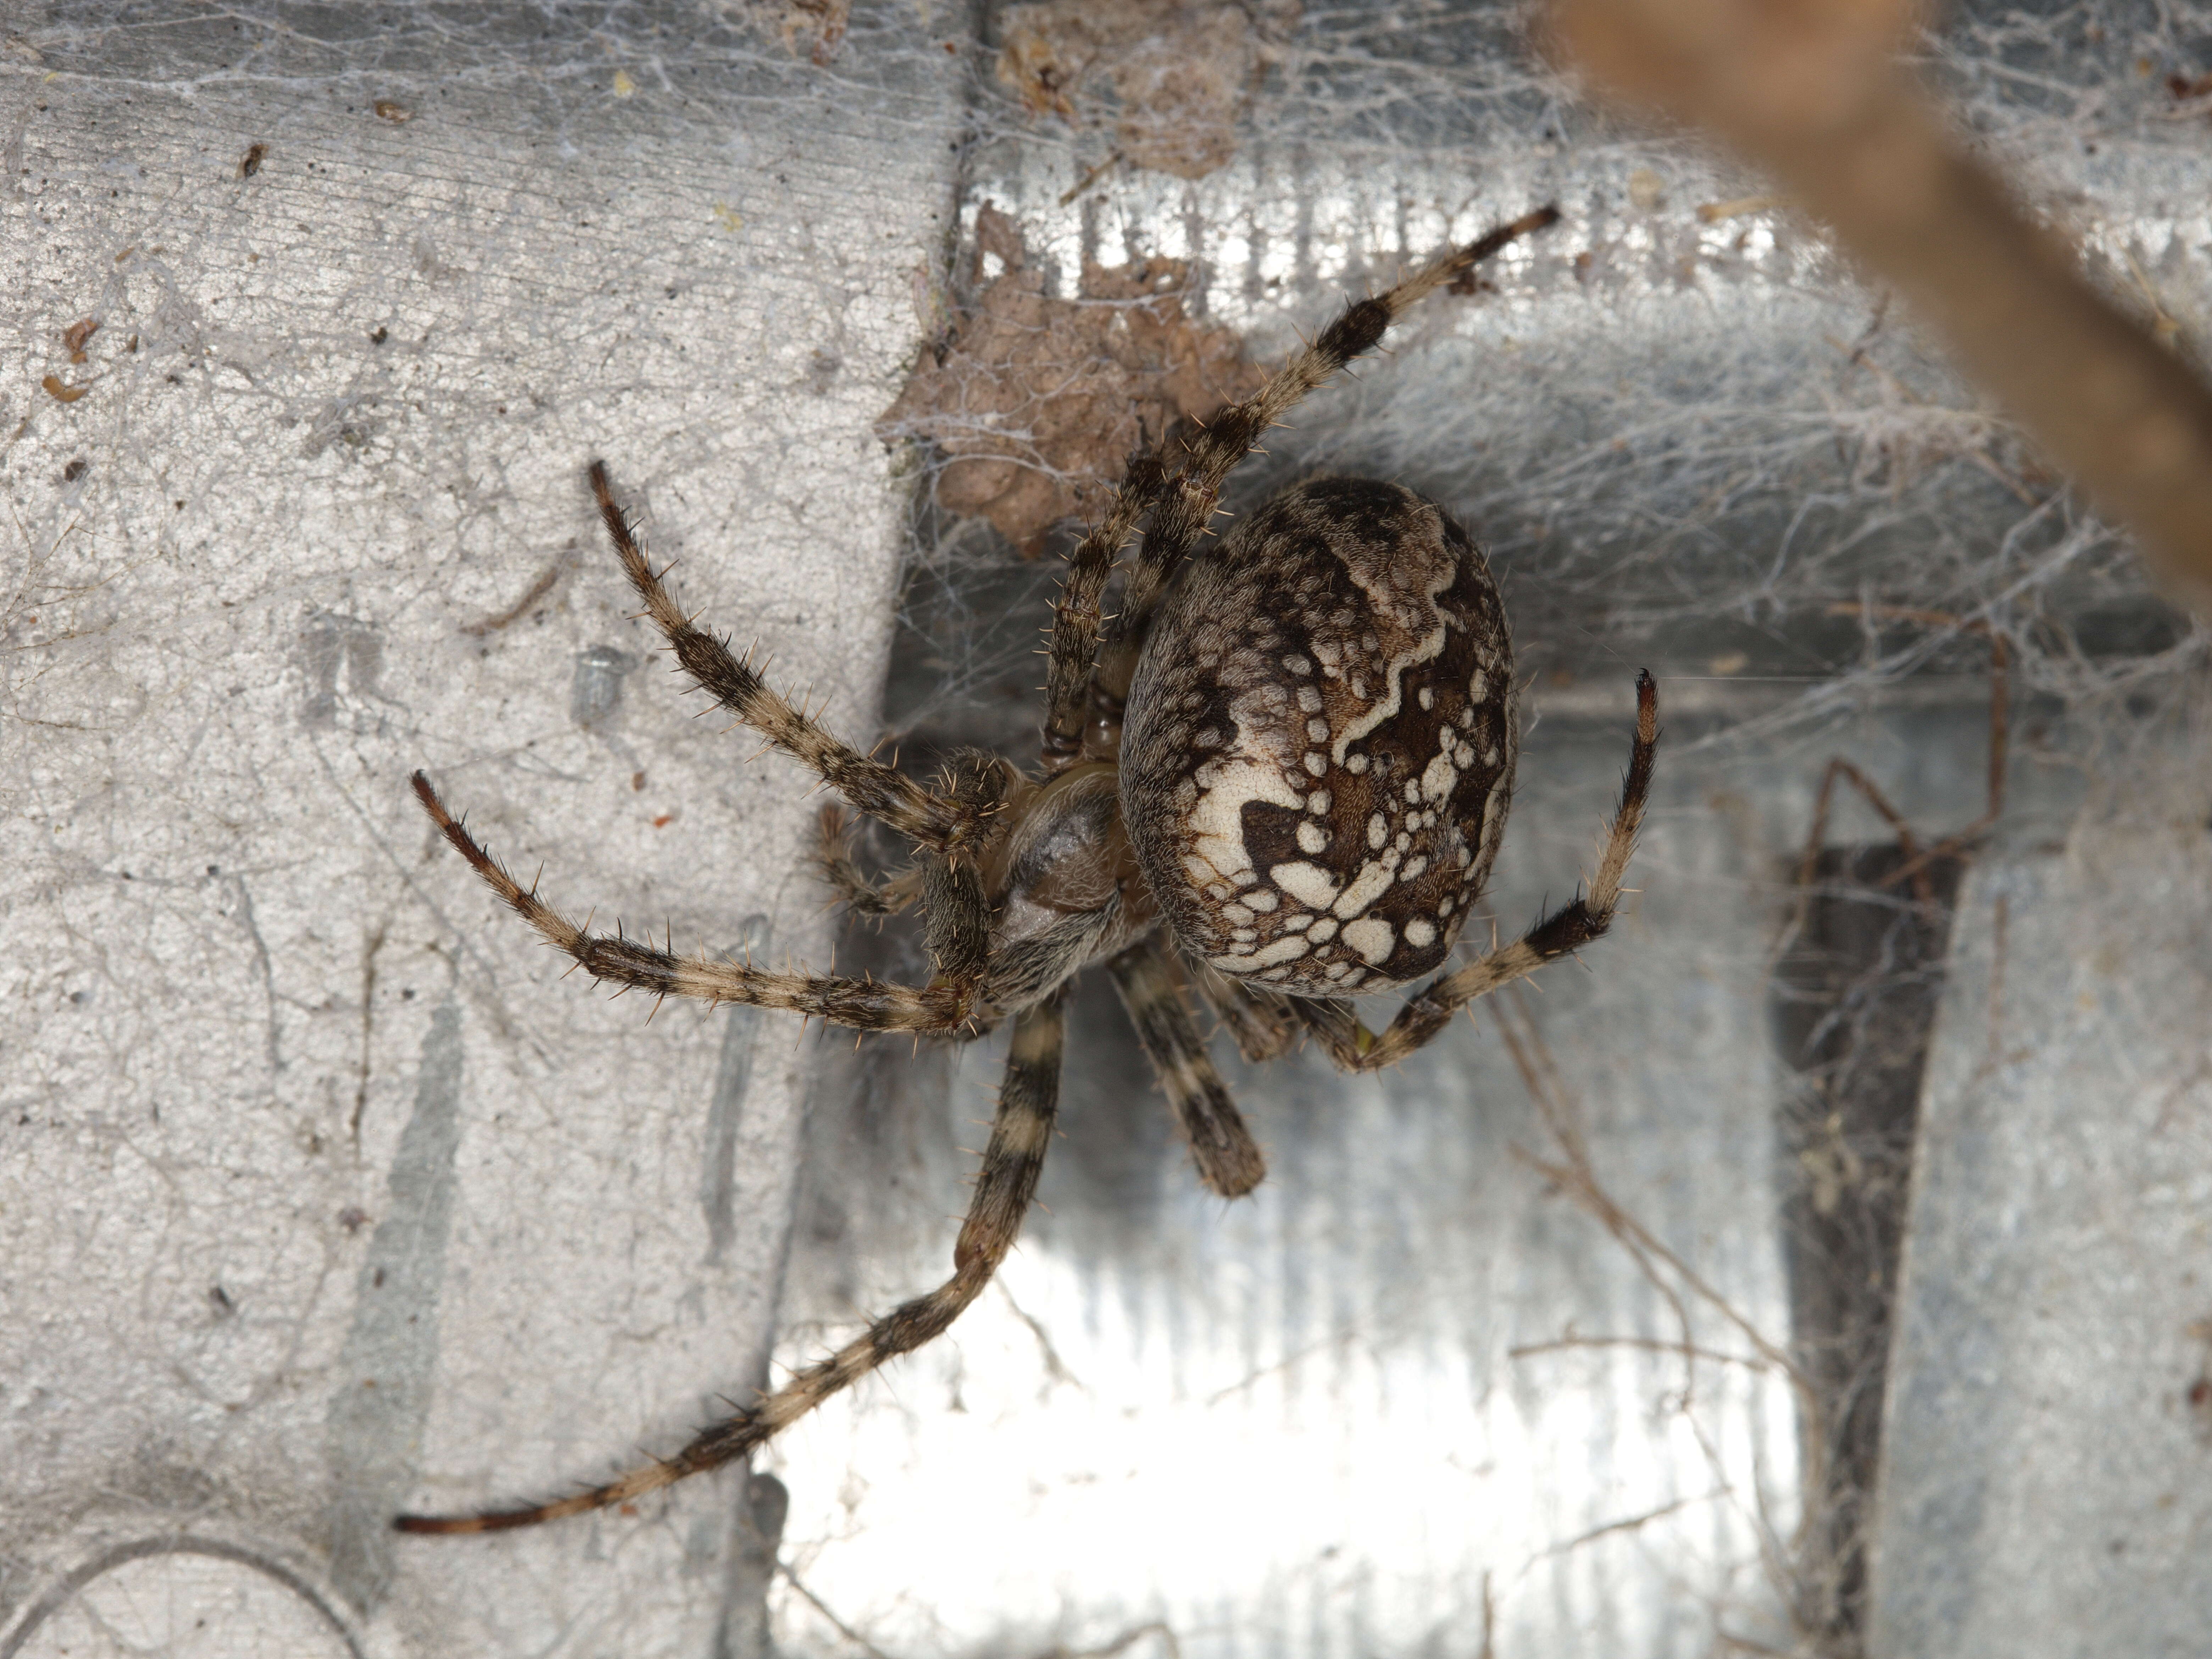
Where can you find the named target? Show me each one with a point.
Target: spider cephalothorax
(1278, 776)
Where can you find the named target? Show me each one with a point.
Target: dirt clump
(1036, 403)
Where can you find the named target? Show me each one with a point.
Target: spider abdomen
(1318, 750)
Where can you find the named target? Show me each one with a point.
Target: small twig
(538, 590)
(1815, 93)
(1751, 1362)
(837, 1624)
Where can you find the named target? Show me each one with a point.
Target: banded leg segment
(1262, 1022)
(1188, 498)
(1019, 1134)
(1356, 1048)
(866, 1005)
(950, 826)
(838, 867)
(1229, 1160)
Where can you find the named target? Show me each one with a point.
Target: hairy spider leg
(1259, 1020)
(835, 861)
(866, 1005)
(929, 819)
(1019, 1135)
(1229, 1160)
(1356, 1048)
(1186, 505)
(1073, 644)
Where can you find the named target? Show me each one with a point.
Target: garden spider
(1276, 776)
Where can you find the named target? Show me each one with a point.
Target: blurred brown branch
(1812, 91)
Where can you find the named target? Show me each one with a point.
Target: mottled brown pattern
(1322, 734)
(1320, 739)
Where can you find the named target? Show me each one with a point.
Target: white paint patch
(1317, 730)
(1316, 764)
(1317, 802)
(1378, 830)
(1371, 936)
(1436, 782)
(1312, 838)
(1428, 697)
(1420, 934)
(1307, 884)
(1366, 887)
(1263, 901)
(1237, 916)
(1323, 930)
(1308, 700)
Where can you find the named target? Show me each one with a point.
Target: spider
(1276, 777)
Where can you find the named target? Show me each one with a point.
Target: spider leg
(1188, 506)
(862, 898)
(1075, 623)
(1355, 1048)
(1262, 1022)
(951, 826)
(1019, 1135)
(1228, 1161)
(942, 1005)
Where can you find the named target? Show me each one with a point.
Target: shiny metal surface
(2049, 1412)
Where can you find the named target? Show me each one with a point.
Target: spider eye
(1319, 747)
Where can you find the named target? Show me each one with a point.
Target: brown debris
(1180, 71)
(820, 25)
(75, 336)
(1038, 402)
